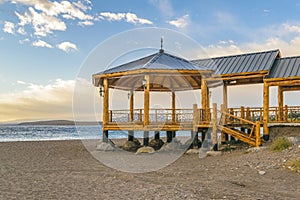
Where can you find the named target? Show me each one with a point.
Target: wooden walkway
(242, 123)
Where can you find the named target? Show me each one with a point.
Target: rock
(174, 145)
(262, 172)
(145, 150)
(255, 149)
(213, 153)
(193, 151)
(103, 146)
(131, 145)
(156, 144)
(294, 140)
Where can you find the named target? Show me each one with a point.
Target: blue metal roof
(285, 67)
(251, 62)
(160, 60)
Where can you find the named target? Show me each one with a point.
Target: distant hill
(59, 123)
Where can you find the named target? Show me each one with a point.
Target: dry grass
(280, 144)
(294, 164)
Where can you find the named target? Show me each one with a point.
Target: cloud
(67, 46)
(57, 8)
(9, 27)
(42, 23)
(21, 31)
(41, 43)
(35, 102)
(86, 23)
(24, 41)
(181, 22)
(128, 17)
(164, 6)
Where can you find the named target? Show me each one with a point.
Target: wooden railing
(284, 114)
(155, 116)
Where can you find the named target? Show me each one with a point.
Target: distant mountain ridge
(59, 123)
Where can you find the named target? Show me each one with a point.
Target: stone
(103, 146)
(192, 151)
(174, 145)
(156, 144)
(255, 149)
(131, 145)
(262, 172)
(145, 150)
(213, 153)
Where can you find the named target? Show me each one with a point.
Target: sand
(66, 170)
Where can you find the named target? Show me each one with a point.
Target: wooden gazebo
(159, 72)
(162, 72)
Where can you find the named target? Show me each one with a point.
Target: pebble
(262, 172)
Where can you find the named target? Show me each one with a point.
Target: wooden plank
(131, 106)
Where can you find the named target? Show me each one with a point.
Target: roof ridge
(155, 56)
(288, 57)
(237, 55)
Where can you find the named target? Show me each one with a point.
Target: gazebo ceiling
(167, 73)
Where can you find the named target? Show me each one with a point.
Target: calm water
(34, 133)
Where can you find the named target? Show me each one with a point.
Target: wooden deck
(241, 123)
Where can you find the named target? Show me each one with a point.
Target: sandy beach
(66, 170)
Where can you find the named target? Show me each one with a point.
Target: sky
(44, 44)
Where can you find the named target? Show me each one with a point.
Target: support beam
(105, 136)
(146, 100)
(280, 103)
(156, 135)
(266, 111)
(225, 97)
(131, 106)
(105, 110)
(130, 135)
(105, 102)
(173, 107)
(146, 138)
(205, 99)
(214, 128)
(169, 136)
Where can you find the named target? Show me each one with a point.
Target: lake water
(37, 133)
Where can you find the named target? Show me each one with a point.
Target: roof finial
(161, 44)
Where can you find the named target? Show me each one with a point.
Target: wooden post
(280, 103)
(257, 134)
(141, 116)
(173, 108)
(224, 136)
(146, 138)
(156, 135)
(248, 117)
(130, 135)
(204, 99)
(266, 111)
(105, 110)
(146, 100)
(243, 117)
(105, 102)
(286, 113)
(195, 117)
(169, 136)
(225, 96)
(214, 128)
(131, 106)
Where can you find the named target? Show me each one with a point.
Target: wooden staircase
(225, 126)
